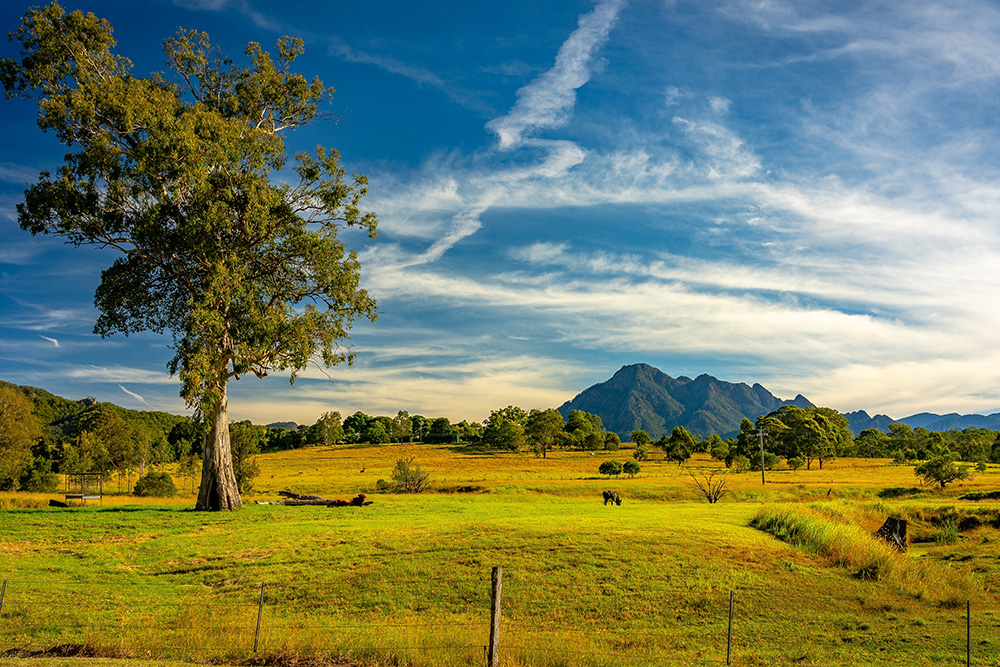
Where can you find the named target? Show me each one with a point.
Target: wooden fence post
(729, 635)
(968, 633)
(495, 617)
(2, 591)
(260, 612)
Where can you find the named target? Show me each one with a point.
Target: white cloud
(135, 396)
(546, 102)
(54, 341)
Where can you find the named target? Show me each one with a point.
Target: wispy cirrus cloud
(135, 396)
(547, 102)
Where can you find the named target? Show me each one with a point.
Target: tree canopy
(175, 172)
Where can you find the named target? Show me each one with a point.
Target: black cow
(611, 497)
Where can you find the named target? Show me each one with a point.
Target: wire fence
(635, 625)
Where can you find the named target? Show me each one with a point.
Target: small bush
(409, 478)
(156, 484)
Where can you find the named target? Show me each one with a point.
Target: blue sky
(801, 194)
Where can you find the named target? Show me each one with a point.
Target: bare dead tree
(712, 485)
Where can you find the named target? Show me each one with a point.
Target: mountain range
(640, 396)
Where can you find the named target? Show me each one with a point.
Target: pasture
(406, 581)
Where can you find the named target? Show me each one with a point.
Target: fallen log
(298, 499)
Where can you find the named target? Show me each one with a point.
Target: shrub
(741, 464)
(795, 462)
(610, 468)
(409, 478)
(156, 484)
(631, 468)
(39, 477)
(770, 461)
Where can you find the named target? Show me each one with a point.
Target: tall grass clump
(947, 533)
(844, 545)
(855, 549)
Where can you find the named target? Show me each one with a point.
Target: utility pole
(760, 436)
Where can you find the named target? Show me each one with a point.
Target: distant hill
(642, 397)
(288, 426)
(860, 421)
(952, 421)
(60, 414)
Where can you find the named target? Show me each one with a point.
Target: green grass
(407, 580)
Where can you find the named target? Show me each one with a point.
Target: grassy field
(407, 579)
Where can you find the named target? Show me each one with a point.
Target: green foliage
(245, 440)
(947, 532)
(631, 468)
(811, 433)
(409, 478)
(402, 427)
(39, 477)
(328, 430)
(612, 442)
(19, 429)
(640, 453)
(610, 468)
(871, 443)
(541, 428)
(770, 461)
(981, 495)
(174, 172)
(942, 470)
(679, 446)
(795, 462)
(440, 431)
(376, 434)
(718, 448)
(900, 491)
(156, 484)
(640, 437)
(505, 429)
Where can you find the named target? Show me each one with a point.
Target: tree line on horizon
(42, 435)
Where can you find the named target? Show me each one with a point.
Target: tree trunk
(218, 489)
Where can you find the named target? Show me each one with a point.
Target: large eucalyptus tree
(175, 171)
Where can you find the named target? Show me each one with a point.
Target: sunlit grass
(406, 580)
